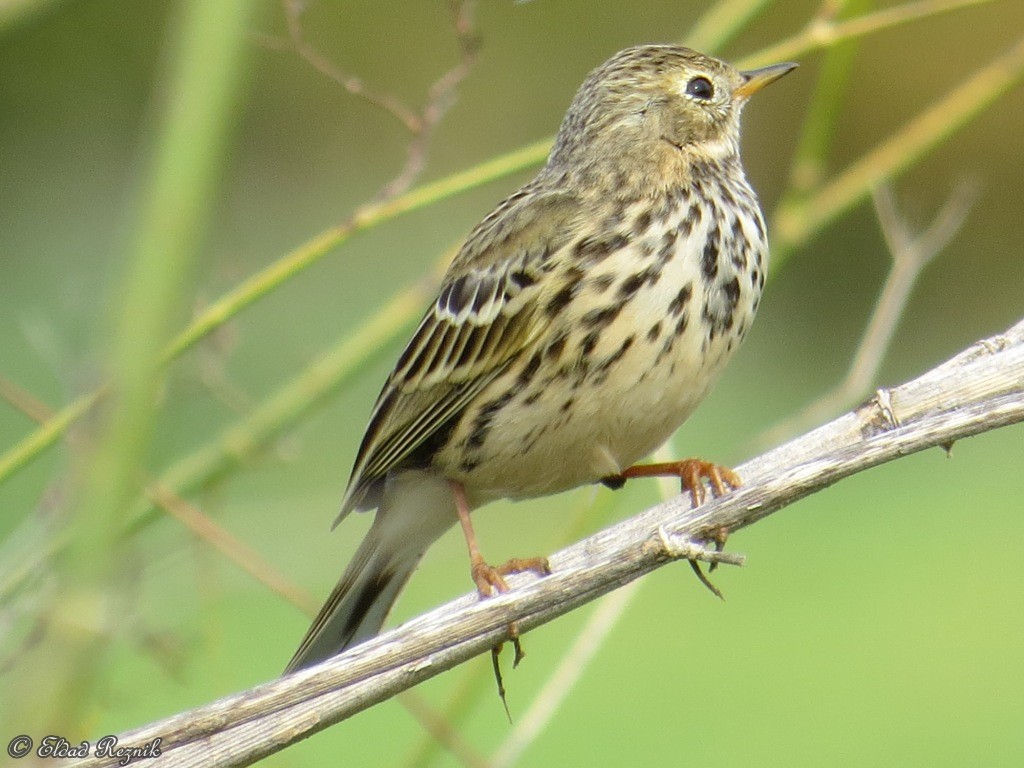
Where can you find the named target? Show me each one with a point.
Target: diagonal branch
(980, 389)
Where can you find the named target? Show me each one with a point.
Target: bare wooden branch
(980, 389)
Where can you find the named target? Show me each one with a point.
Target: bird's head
(651, 100)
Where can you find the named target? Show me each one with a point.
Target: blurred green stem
(201, 91)
(797, 221)
(820, 124)
(720, 23)
(822, 33)
(290, 403)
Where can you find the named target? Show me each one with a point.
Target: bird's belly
(609, 427)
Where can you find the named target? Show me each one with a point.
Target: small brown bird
(580, 324)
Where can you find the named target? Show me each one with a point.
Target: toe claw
(691, 473)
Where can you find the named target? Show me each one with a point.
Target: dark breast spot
(602, 283)
(737, 228)
(631, 285)
(560, 300)
(643, 221)
(731, 291)
(527, 374)
(668, 245)
(599, 318)
(709, 259)
(681, 300)
(555, 348)
(739, 254)
(483, 420)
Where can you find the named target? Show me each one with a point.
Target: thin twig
(910, 254)
(420, 123)
(392, 105)
(980, 389)
(440, 98)
(24, 401)
(235, 550)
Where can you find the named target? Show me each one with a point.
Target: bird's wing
(490, 307)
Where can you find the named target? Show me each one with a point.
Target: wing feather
(487, 311)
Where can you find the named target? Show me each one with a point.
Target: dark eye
(700, 88)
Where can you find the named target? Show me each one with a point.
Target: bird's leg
(490, 578)
(691, 474)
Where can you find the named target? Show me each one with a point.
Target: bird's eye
(700, 88)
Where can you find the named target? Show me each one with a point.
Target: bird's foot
(692, 474)
(490, 579)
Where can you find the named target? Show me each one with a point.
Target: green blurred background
(880, 622)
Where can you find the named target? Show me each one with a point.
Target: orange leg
(691, 473)
(489, 578)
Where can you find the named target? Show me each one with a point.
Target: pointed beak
(756, 79)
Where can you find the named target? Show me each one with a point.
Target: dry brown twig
(419, 123)
(980, 389)
(199, 523)
(910, 255)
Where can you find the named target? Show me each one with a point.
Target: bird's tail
(408, 521)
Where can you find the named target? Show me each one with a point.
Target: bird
(579, 324)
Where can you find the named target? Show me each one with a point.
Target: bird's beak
(756, 79)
